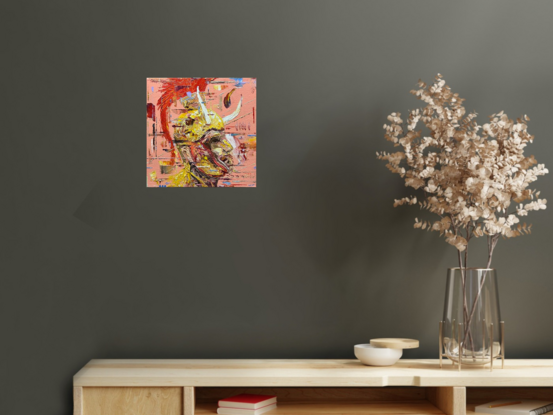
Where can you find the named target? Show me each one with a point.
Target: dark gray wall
(312, 261)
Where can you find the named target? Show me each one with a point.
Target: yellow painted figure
(204, 148)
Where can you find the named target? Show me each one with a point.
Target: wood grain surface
(450, 400)
(308, 373)
(132, 401)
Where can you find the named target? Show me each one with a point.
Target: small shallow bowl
(377, 356)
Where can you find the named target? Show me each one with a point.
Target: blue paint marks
(239, 82)
(152, 89)
(189, 94)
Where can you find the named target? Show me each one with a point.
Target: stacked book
(515, 407)
(247, 404)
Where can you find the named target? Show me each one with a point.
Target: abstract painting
(201, 132)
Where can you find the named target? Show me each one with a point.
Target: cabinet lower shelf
(333, 408)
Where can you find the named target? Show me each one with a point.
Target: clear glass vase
(472, 330)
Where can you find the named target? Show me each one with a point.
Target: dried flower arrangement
(475, 178)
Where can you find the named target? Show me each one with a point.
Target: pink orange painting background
(166, 99)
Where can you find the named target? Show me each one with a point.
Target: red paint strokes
(172, 90)
(151, 111)
(253, 114)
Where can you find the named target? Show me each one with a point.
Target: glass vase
(471, 332)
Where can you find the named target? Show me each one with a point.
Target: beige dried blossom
(475, 178)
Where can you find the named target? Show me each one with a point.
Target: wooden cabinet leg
(450, 400)
(188, 400)
(77, 400)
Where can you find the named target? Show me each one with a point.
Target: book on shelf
(243, 411)
(515, 407)
(247, 401)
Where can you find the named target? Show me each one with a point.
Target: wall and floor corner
(309, 263)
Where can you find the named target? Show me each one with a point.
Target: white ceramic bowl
(376, 356)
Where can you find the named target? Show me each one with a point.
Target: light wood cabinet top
(305, 373)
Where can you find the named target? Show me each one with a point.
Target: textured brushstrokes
(206, 139)
(227, 100)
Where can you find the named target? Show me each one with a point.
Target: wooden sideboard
(318, 387)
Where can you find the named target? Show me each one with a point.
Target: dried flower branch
(475, 178)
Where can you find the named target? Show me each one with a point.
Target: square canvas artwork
(201, 132)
